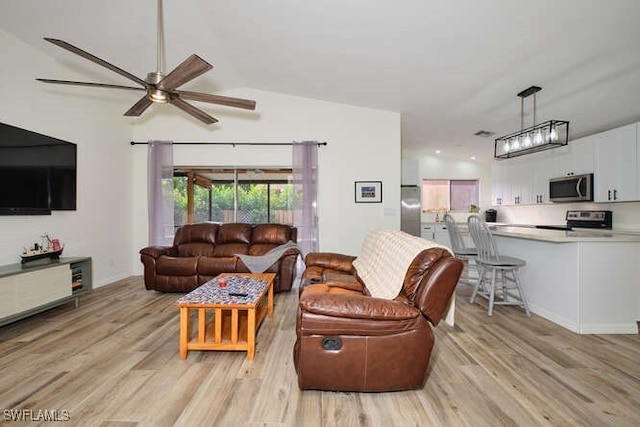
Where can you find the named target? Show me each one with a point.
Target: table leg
(270, 300)
(184, 331)
(234, 326)
(251, 333)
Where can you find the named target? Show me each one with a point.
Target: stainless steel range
(584, 219)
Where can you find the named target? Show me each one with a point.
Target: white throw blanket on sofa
(385, 258)
(260, 263)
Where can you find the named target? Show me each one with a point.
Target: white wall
(101, 226)
(363, 144)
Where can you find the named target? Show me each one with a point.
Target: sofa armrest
(156, 252)
(356, 306)
(330, 260)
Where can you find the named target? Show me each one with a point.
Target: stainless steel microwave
(571, 188)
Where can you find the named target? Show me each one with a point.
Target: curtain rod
(226, 143)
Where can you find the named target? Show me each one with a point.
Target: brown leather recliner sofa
(202, 251)
(348, 340)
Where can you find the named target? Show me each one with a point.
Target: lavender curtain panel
(305, 183)
(160, 192)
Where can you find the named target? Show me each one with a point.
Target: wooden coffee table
(234, 319)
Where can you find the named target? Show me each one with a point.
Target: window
(263, 195)
(449, 195)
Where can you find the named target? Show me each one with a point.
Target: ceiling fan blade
(190, 68)
(247, 104)
(67, 82)
(71, 48)
(195, 112)
(139, 107)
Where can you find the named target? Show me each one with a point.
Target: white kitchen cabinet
(576, 158)
(512, 181)
(499, 183)
(616, 178)
(442, 234)
(427, 230)
(435, 232)
(541, 169)
(519, 176)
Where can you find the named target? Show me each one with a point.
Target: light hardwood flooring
(114, 361)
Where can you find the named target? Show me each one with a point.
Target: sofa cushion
(234, 233)
(275, 234)
(195, 239)
(233, 239)
(204, 232)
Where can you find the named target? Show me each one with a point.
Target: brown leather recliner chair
(202, 251)
(350, 341)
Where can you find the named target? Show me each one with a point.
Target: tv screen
(37, 173)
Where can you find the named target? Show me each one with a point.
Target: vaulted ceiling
(451, 68)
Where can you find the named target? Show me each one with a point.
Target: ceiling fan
(159, 88)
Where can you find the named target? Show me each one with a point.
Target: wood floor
(114, 361)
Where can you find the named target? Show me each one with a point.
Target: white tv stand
(27, 289)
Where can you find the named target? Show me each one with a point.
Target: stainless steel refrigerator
(410, 209)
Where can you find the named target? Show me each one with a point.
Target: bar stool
(489, 260)
(465, 253)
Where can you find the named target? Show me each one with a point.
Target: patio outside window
(212, 194)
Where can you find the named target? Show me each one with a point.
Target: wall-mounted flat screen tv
(37, 173)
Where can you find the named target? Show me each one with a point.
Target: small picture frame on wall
(368, 191)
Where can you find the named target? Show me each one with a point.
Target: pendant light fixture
(539, 137)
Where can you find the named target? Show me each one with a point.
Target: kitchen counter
(584, 280)
(561, 236)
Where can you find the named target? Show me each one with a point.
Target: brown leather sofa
(202, 251)
(350, 341)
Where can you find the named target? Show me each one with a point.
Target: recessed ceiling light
(437, 151)
(484, 133)
(473, 157)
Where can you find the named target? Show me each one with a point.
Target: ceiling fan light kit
(158, 95)
(539, 137)
(159, 88)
